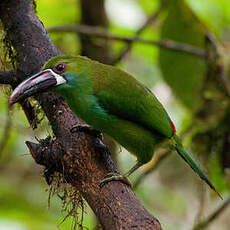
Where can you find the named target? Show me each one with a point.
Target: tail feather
(191, 162)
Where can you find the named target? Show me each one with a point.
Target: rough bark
(78, 156)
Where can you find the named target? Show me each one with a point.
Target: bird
(112, 102)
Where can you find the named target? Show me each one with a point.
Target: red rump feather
(173, 126)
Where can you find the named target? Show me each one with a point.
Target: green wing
(123, 96)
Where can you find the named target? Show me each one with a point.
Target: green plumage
(115, 103)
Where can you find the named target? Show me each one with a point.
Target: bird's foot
(115, 177)
(86, 129)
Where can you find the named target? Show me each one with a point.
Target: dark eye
(59, 68)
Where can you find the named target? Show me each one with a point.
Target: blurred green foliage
(168, 192)
(182, 25)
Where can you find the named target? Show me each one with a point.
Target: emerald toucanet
(111, 101)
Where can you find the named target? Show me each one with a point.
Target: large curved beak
(35, 84)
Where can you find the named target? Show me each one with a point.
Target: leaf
(183, 72)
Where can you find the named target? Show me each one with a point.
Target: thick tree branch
(84, 164)
(101, 33)
(110, 200)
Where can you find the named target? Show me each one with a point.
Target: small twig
(213, 216)
(7, 77)
(153, 18)
(181, 47)
(101, 33)
(153, 165)
(5, 134)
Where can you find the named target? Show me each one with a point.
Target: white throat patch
(60, 80)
